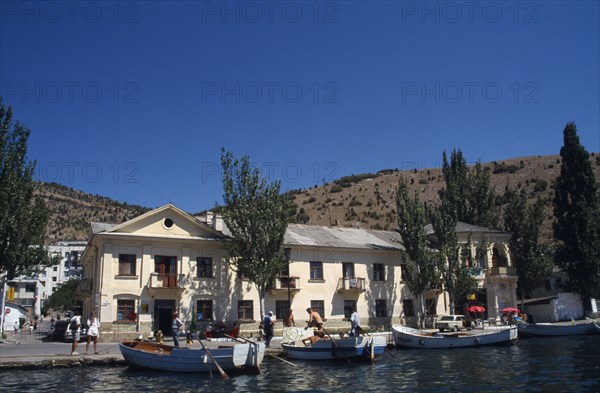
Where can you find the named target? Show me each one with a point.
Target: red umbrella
(476, 309)
(508, 310)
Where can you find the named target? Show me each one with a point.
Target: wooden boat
(338, 348)
(405, 336)
(571, 328)
(230, 356)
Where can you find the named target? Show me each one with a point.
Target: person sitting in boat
(308, 341)
(160, 337)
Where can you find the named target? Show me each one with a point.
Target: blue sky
(133, 100)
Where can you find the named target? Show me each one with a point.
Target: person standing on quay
(355, 328)
(74, 325)
(175, 325)
(289, 319)
(93, 333)
(269, 333)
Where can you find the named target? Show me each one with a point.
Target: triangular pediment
(166, 221)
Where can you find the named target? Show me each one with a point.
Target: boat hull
(558, 329)
(140, 354)
(414, 338)
(346, 348)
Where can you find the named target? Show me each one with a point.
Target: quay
(35, 355)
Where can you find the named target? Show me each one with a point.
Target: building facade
(139, 272)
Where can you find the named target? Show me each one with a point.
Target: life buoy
(421, 342)
(476, 341)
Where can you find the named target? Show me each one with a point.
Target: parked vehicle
(451, 322)
(61, 332)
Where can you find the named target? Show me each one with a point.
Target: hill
(369, 200)
(359, 201)
(71, 211)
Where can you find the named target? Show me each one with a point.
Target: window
(125, 310)
(53, 279)
(316, 270)
(245, 310)
(348, 270)
(378, 272)
(407, 306)
(381, 308)
(127, 264)
(204, 267)
(29, 287)
(318, 306)
(348, 306)
(204, 310)
(281, 309)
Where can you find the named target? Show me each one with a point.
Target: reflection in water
(569, 364)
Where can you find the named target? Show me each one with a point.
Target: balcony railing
(166, 281)
(285, 284)
(502, 270)
(352, 284)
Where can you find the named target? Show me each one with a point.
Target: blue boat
(230, 356)
(314, 348)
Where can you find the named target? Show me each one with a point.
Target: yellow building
(141, 271)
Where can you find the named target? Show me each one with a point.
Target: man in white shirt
(355, 328)
(74, 326)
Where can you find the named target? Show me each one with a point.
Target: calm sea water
(569, 364)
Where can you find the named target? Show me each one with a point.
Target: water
(561, 364)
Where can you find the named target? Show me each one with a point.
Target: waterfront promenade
(25, 351)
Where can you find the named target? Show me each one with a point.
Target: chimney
(217, 222)
(209, 217)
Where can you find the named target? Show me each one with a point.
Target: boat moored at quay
(408, 337)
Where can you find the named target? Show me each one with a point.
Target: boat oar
(221, 371)
(283, 360)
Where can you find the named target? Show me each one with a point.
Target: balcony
(477, 272)
(503, 271)
(351, 284)
(86, 285)
(166, 281)
(284, 284)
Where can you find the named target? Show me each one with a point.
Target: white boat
(229, 356)
(405, 336)
(569, 328)
(363, 347)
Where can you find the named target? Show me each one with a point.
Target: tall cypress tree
(524, 222)
(23, 215)
(577, 217)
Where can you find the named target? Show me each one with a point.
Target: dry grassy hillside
(368, 200)
(365, 201)
(71, 211)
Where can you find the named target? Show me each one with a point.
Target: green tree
(64, 297)
(524, 222)
(577, 217)
(23, 215)
(456, 276)
(257, 216)
(422, 265)
(468, 191)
